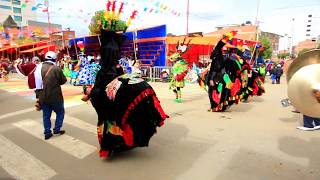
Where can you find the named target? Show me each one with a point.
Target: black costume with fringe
(128, 110)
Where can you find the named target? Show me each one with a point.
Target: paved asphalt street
(251, 141)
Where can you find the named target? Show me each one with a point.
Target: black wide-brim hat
(111, 42)
(112, 39)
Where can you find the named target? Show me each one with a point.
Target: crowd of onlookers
(272, 69)
(5, 68)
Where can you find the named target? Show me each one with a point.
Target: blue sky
(205, 15)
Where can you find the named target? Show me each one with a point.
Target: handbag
(31, 79)
(38, 105)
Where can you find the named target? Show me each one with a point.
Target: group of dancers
(82, 71)
(128, 109)
(229, 78)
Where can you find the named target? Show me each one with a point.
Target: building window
(5, 7)
(16, 2)
(17, 18)
(16, 10)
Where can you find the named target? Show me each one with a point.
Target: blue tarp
(154, 32)
(86, 40)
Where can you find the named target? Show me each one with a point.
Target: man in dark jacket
(51, 97)
(278, 73)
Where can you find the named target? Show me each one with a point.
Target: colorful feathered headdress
(181, 48)
(109, 19)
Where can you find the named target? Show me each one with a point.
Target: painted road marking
(21, 164)
(80, 124)
(17, 113)
(66, 143)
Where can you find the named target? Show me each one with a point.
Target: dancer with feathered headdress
(128, 109)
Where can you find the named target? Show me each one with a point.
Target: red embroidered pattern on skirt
(236, 87)
(103, 153)
(127, 131)
(159, 108)
(216, 97)
(255, 88)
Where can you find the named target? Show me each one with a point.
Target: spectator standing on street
(4, 71)
(312, 123)
(276, 74)
(29, 69)
(51, 98)
(262, 71)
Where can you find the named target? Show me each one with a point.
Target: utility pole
(257, 34)
(187, 17)
(286, 43)
(46, 3)
(291, 41)
(257, 14)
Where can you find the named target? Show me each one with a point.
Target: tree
(267, 52)
(283, 55)
(303, 51)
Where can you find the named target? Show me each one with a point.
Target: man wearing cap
(50, 97)
(278, 73)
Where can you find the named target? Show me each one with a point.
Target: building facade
(306, 44)
(43, 28)
(273, 39)
(18, 9)
(247, 32)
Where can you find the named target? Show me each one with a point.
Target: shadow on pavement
(195, 98)
(304, 149)
(257, 99)
(247, 164)
(294, 118)
(178, 113)
(11, 102)
(170, 153)
(241, 107)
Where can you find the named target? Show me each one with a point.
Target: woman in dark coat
(128, 109)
